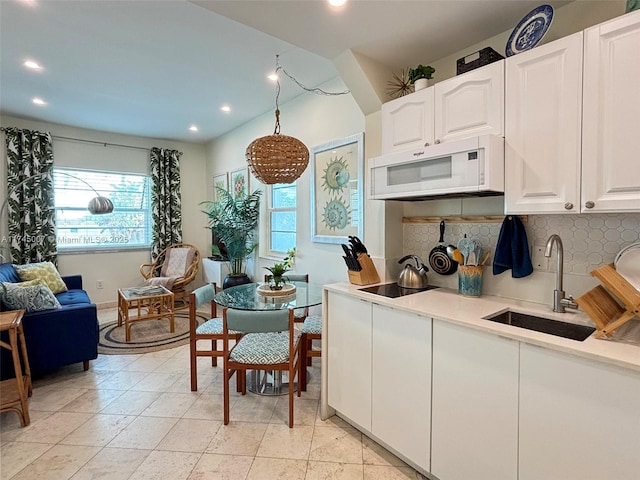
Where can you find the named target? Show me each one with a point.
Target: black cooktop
(392, 290)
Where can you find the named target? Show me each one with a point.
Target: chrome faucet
(559, 300)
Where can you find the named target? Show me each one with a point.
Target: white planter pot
(420, 83)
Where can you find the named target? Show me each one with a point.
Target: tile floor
(135, 417)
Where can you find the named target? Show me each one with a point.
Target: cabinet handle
(589, 204)
(568, 206)
(417, 154)
(426, 144)
(437, 141)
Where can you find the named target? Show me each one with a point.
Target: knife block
(607, 313)
(368, 275)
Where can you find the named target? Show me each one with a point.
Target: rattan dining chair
(270, 342)
(209, 331)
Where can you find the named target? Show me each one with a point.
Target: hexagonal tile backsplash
(589, 241)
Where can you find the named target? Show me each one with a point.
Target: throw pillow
(31, 299)
(45, 271)
(29, 283)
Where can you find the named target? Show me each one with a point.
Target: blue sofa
(59, 337)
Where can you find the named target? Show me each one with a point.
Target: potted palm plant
(420, 75)
(234, 220)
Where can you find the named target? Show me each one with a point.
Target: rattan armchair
(174, 268)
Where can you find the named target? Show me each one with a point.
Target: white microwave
(472, 166)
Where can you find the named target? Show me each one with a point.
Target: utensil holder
(470, 280)
(368, 275)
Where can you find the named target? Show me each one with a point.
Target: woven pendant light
(277, 158)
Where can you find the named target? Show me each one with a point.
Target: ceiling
(154, 68)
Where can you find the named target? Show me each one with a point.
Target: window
(129, 226)
(281, 212)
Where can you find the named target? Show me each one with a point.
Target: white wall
(120, 269)
(314, 120)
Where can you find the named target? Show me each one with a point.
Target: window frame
(271, 209)
(117, 242)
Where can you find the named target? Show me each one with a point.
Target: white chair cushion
(312, 324)
(263, 348)
(212, 327)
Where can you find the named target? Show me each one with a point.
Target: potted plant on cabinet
(234, 221)
(420, 75)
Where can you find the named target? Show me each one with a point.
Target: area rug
(146, 336)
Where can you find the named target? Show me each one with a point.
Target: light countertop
(447, 304)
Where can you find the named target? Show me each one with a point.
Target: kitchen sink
(544, 325)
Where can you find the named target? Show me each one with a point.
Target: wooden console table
(148, 303)
(14, 391)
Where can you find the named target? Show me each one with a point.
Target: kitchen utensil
(477, 250)
(439, 258)
(351, 259)
(485, 257)
(471, 259)
(457, 256)
(413, 277)
(356, 245)
(465, 245)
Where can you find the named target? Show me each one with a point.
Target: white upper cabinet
(407, 122)
(543, 128)
(611, 138)
(461, 107)
(571, 110)
(470, 104)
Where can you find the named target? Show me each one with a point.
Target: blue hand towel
(512, 250)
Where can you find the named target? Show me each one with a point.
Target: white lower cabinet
(401, 395)
(465, 404)
(579, 419)
(349, 358)
(475, 405)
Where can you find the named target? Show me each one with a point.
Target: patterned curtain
(30, 206)
(166, 203)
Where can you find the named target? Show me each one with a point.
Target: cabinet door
(407, 122)
(349, 358)
(543, 128)
(579, 420)
(475, 405)
(470, 104)
(215, 271)
(401, 399)
(611, 141)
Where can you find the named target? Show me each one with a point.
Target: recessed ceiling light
(38, 101)
(32, 65)
(193, 128)
(273, 77)
(225, 108)
(337, 3)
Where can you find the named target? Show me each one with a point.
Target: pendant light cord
(317, 91)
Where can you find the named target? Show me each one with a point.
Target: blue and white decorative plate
(530, 30)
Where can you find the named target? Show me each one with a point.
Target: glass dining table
(258, 297)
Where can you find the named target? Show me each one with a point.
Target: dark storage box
(477, 59)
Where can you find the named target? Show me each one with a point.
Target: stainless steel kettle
(413, 277)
